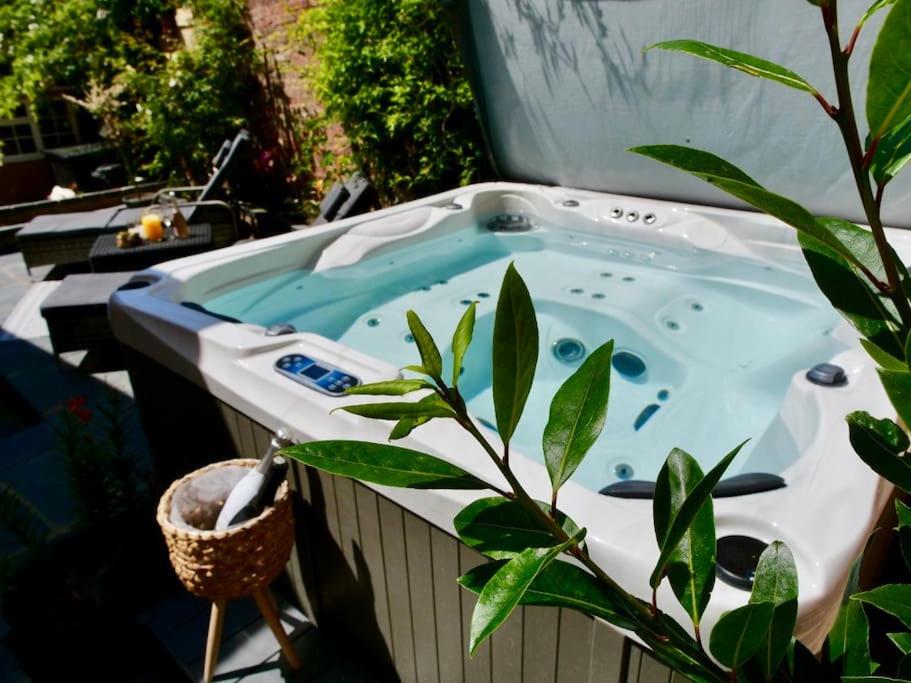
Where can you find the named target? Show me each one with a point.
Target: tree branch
(847, 124)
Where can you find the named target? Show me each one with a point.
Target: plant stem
(847, 124)
(641, 613)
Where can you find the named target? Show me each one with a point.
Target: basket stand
(238, 562)
(267, 608)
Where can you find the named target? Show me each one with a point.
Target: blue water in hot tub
(705, 344)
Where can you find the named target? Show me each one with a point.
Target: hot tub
(715, 318)
(716, 322)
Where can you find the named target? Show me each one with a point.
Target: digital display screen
(314, 371)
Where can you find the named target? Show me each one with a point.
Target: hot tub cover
(563, 89)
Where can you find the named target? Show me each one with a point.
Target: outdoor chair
(68, 238)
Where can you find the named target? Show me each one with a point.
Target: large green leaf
(894, 598)
(884, 359)
(889, 84)
(739, 633)
(430, 354)
(396, 411)
(688, 511)
(504, 591)
(406, 425)
(881, 444)
(892, 152)
(560, 584)
(748, 64)
(848, 642)
(775, 582)
(461, 340)
(861, 243)
(902, 641)
(898, 388)
(501, 528)
(393, 387)
(515, 352)
(695, 161)
(873, 9)
(383, 464)
(903, 513)
(691, 564)
(719, 173)
(577, 415)
(853, 296)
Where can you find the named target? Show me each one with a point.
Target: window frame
(37, 138)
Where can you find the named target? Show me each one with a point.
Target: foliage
(111, 499)
(197, 96)
(860, 274)
(167, 107)
(388, 71)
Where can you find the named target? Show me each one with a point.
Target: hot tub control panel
(315, 374)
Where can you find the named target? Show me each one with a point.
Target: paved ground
(33, 388)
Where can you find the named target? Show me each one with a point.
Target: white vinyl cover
(565, 88)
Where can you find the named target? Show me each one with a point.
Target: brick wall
(271, 20)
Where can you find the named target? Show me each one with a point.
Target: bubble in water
(597, 295)
(576, 290)
(465, 302)
(672, 325)
(696, 306)
(607, 274)
(663, 395)
(409, 338)
(442, 282)
(373, 322)
(628, 278)
(483, 295)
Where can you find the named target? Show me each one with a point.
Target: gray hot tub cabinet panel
(381, 577)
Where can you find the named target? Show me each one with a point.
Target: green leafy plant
(167, 106)
(526, 539)
(111, 498)
(388, 71)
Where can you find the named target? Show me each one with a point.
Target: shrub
(165, 106)
(200, 95)
(389, 72)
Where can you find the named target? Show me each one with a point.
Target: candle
(152, 228)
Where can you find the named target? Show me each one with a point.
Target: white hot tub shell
(830, 504)
(561, 93)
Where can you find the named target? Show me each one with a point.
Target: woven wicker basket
(223, 565)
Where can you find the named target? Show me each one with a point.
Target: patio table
(106, 256)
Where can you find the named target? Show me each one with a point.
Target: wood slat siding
(387, 578)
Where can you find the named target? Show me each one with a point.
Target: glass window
(56, 125)
(17, 138)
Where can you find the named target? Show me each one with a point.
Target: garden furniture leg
(216, 621)
(270, 614)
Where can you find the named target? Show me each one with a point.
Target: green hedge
(167, 108)
(389, 72)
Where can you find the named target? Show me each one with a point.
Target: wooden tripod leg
(270, 614)
(216, 621)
